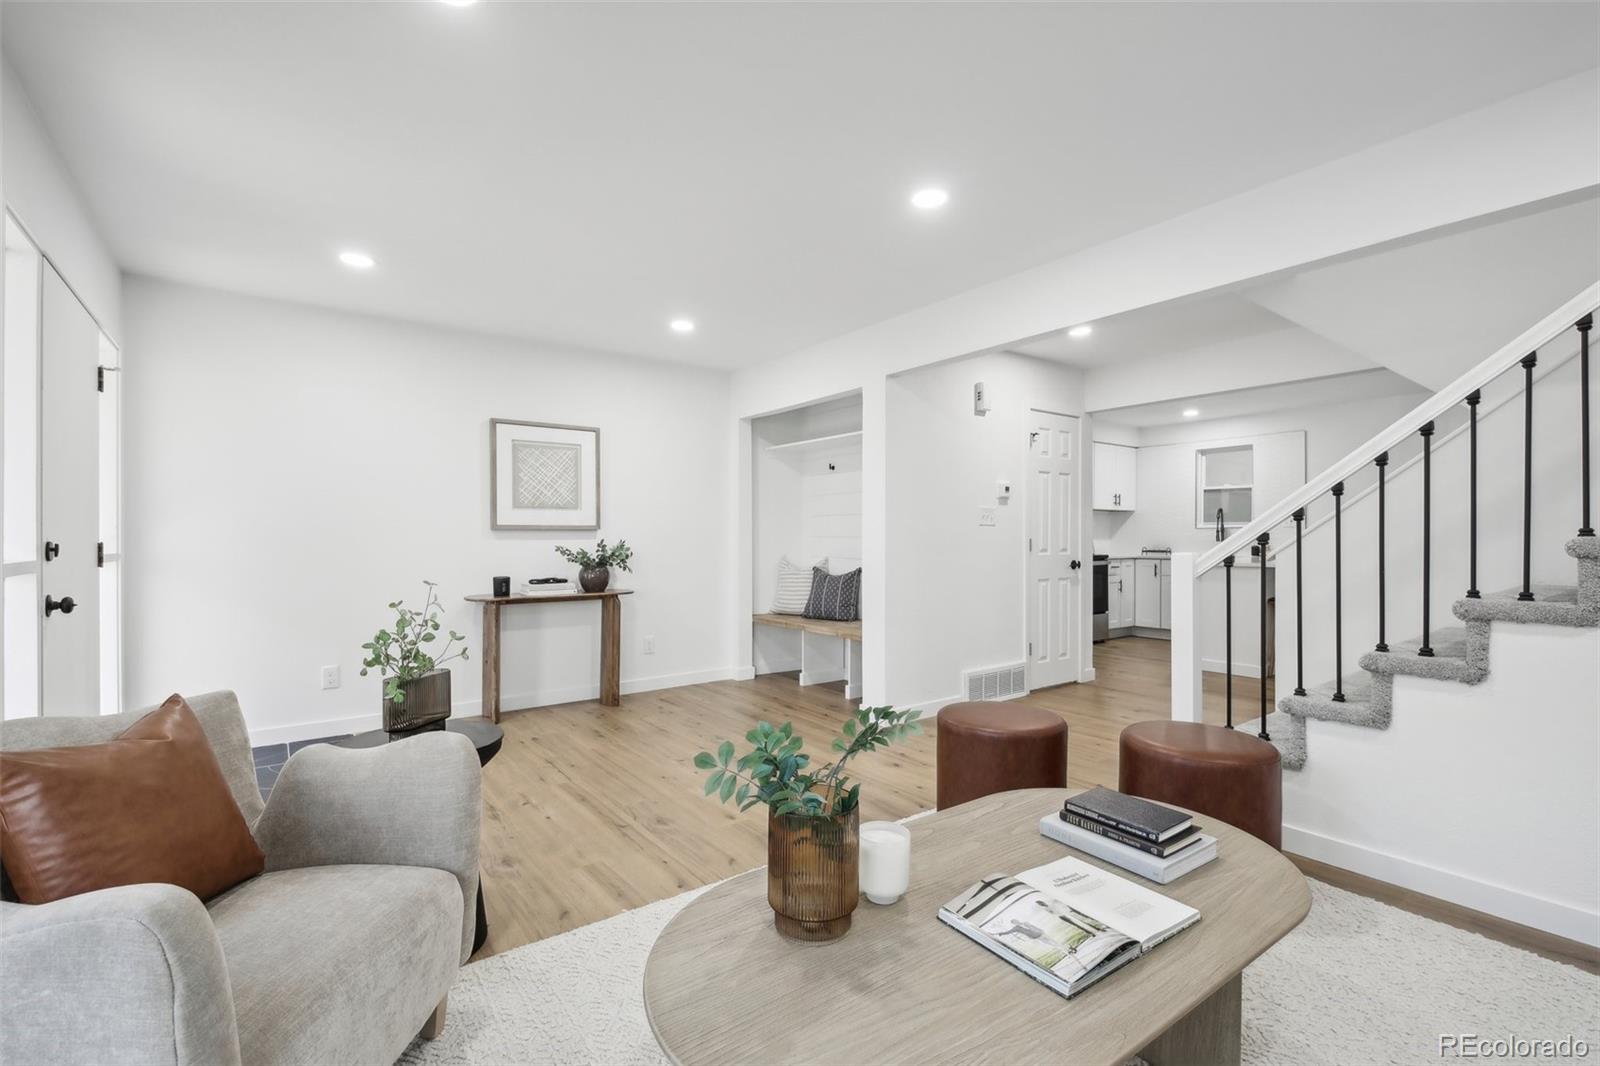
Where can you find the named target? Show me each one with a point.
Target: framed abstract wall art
(543, 476)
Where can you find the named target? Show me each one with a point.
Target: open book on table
(1066, 924)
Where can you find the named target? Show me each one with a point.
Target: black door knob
(65, 605)
(1076, 564)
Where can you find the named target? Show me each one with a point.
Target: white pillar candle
(885, 861)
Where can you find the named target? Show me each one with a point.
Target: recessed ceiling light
(929, 199)
(682, 325)
(356, 259)
(1080, 331)
(1191, 412)
(459, 3)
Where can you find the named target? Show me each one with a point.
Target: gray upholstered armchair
(341, 952)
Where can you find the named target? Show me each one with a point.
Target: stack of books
(1150, 839)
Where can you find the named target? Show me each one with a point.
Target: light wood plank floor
(590, 811)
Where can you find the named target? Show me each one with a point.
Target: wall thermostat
(1003, 490)
(980, 399)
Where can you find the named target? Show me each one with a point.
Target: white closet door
(69, 485)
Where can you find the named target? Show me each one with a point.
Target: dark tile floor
(271, 757)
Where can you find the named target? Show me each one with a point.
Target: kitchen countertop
(1239, 563)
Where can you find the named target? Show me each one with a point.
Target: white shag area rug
(1357, 982)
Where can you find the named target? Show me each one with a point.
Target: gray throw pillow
(835, 597)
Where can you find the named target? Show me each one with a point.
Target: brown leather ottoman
(1221, 772)
(986, 748)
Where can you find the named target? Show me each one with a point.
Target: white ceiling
(1325, 391)
(1180, 325)
(582, 173)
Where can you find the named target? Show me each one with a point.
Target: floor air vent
(999, 683)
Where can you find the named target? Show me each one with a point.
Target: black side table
(485, 736)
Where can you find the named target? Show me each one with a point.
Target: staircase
(1460, 654)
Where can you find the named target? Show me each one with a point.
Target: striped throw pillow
(835, 597)
(794, 587)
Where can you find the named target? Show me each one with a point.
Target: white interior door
(69, 494)
(1055, 566)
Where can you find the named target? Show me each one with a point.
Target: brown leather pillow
(150, 806)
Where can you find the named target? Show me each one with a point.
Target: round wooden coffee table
(721, 986)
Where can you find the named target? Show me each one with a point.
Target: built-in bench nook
(807, 510)
(820, 641)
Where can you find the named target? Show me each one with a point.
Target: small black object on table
(485, 736)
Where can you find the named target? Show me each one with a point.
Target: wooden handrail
(1545, 330)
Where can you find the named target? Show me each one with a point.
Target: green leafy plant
(776, 771)
(402, 653)
(617, 555)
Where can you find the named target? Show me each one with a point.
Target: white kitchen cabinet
(1147, 599)
(1119, 593)
(1115, 474)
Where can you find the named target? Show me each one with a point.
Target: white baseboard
(744, 673)
(1088, 676)
(332, 727)
(1512, 904)
(929, 708)
(288, 734)
(1220, 666)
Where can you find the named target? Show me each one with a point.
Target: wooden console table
(610, 642)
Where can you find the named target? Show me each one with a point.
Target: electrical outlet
(330, 677)
(986, 516)
(649, 645)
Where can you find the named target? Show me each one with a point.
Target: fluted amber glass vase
(812, 873)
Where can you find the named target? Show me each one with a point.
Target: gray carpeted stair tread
(1460, 653)
(1559, 605)
(1286, 733)
(1367, 702)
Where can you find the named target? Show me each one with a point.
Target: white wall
(40, 191)
(291, 470)
(956, 590)
(1484, 796)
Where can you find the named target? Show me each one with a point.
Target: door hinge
(100, 373)
(100, 554)
(1030, 649)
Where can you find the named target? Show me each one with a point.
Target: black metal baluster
(1261, 577)
(1381, 462)
(1227, 584)
(1472, 495)
(1585, 324)
(1529, 361)
(1338, 592)
(1426, 650)
(1299, 604)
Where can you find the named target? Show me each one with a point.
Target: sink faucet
(1222, 532)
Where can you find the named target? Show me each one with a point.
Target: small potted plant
(813, 817)
(594, 568)
(416, 687)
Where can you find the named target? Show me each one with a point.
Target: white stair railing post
(1186, 699)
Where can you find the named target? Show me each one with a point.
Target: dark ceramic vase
(594, 578)
(427, 700)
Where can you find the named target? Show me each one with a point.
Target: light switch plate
(986, 516)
